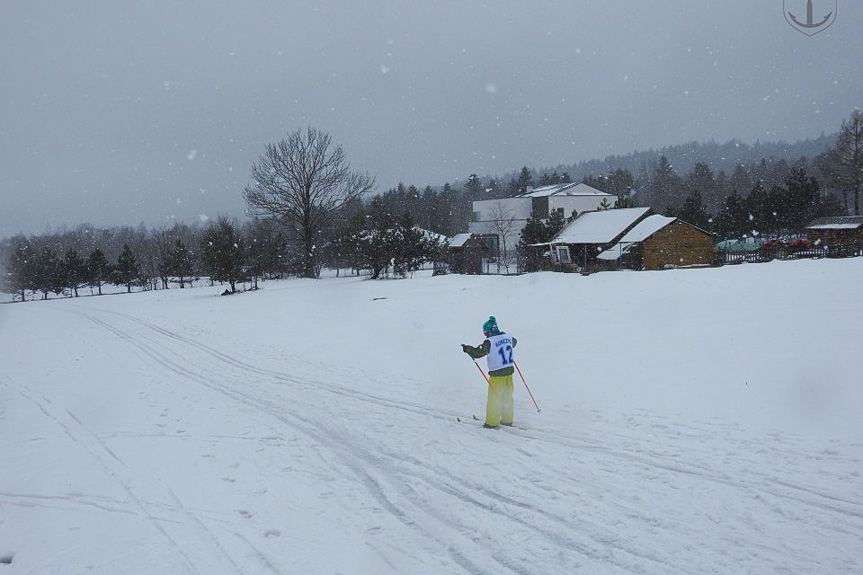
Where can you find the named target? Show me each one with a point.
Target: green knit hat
(490, 327)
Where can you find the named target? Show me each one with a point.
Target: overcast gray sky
(118, 112)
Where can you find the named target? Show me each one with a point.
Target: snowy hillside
(693, 422)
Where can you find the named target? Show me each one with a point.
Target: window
(492, 241)
(539, 207)
(562, 254)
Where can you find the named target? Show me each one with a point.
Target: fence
(781, 252)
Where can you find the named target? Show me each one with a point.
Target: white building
(501, 221)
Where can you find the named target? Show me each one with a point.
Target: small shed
(467, 253)
(838, 234)
(660, 242)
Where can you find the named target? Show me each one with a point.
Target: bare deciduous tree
(846, 157)
(303, 179)
(503, 223)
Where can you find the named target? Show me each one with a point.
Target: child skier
(498, 348)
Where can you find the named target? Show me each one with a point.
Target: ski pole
(525, 385)
(484, 376)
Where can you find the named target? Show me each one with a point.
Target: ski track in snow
(110, 463)
(562, 525)
(397, 498)
(391, 478)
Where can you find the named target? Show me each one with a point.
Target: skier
(498, 347)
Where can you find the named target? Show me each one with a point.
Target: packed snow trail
(154, 439)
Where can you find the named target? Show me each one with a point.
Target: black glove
(464, 347)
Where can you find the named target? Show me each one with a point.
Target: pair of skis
(476, 418)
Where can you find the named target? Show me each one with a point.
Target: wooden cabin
(660, 242)
(842, 235)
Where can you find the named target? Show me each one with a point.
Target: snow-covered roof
(600, 227)
(429, 235)
(571, 189)
(615, 252)
(645, 228)
(459, 240)
(836, 227)
(837, 223)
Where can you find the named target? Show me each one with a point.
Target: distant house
(658, 242)
(591, 233)
(842, 235)
(506, 217)
(466, 254)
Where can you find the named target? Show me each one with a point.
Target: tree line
(223, 251)
(65, 262)
(312, 210)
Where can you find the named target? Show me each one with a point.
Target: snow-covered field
(693, 422)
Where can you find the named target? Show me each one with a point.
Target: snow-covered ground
(693, 422)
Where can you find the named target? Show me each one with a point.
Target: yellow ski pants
(499, 407)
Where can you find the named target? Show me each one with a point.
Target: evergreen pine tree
(759, 206)
(179, 262)
(73, 271)
(525, 180)
(533, 232)
(803, 195)
(693, 211)
(22, 266)
(374, 239)
(47, 276)
(473, 188)
(223, 252)
(556, 222)
(128, 270)
(98, 269)
(409, 247)
(732, 221)
(664, 186)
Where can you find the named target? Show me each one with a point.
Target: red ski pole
(484, 376)
(525, 385)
